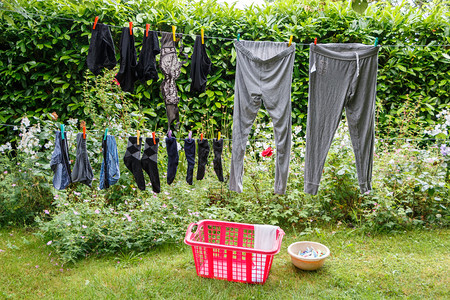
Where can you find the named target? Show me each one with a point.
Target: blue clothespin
(376, 42)
(62, 131)
(106, 133)
(239, 35)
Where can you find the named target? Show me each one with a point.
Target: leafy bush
(42, 60)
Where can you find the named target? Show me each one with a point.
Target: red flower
(267, 153)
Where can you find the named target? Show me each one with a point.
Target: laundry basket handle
(189, 233)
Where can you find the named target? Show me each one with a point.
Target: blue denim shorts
(111, 158)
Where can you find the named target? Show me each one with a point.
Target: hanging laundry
(171, 69)
(60, 164)
(101, 53)
(82, 170)
(341, 76)
(149, 162)
(200, 66)
(217, 161)
(263, 75)
(189, 150)
(132, 160)
(172, 155)
(110, 172)
(203, 153)
(146, 67)
(127, 74)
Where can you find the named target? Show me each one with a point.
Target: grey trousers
(263, 74)
(341, 76)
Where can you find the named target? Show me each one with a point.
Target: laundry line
(26, 14)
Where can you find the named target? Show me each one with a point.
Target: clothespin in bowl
(95, 22)
(173, 33)
(131, 28)
(147, 27)
(203, 36)
(138, 136)
(290, 40)
(62, 131)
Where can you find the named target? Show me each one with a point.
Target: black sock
(149, 163)
(132, 160)
(172, 154)
(203, 152)
(189, 150)
(218, 147)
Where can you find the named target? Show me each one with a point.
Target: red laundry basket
(224, 250)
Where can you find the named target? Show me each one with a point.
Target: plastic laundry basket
(224, 250)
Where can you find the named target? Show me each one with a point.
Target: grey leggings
(341, 76)
(263, 74)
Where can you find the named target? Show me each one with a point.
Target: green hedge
(43, 69)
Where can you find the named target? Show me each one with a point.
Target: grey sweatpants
(263, 74)
(341, 76)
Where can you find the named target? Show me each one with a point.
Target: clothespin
(106, 133)
(62, 131)
(218, 138)
(95, 22)
(376, 42)
(190, 135)
(154, 141)
(173, 33)
(131, 28)
(290, 40)
(84, 132)
(170, 133)
(138, 136)
(147, 26)
(315, 41)
(201, 137)
(238, 37)
(203, 36)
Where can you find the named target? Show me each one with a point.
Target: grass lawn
(412, 264)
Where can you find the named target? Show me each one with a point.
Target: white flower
(25, 121)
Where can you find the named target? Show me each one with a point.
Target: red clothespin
(154, 141)
(95, 22)
(84, 132)
(147, 27)
(315, 41)
(201, 137)
(131, 28)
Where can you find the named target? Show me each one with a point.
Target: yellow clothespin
(138, 136)
(218, 138)
(290, 40)
(203, 36)
(173, 33)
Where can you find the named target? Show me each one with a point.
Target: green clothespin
(106, 133)
(62, 131)
(239, 35)
(376, 42)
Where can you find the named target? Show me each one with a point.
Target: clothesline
(26, 14)
(257, 140)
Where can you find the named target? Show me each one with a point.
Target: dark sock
(203, 152)
(149, 163)
(172, 154)
(132, 160)
(218, 147)
(189, 150)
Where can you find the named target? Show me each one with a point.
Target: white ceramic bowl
(308, 264)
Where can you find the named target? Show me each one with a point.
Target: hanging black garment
(146, 67)
(171, 69)
(101, 52)
(200, 66)
(217, 161)
(127, 73)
